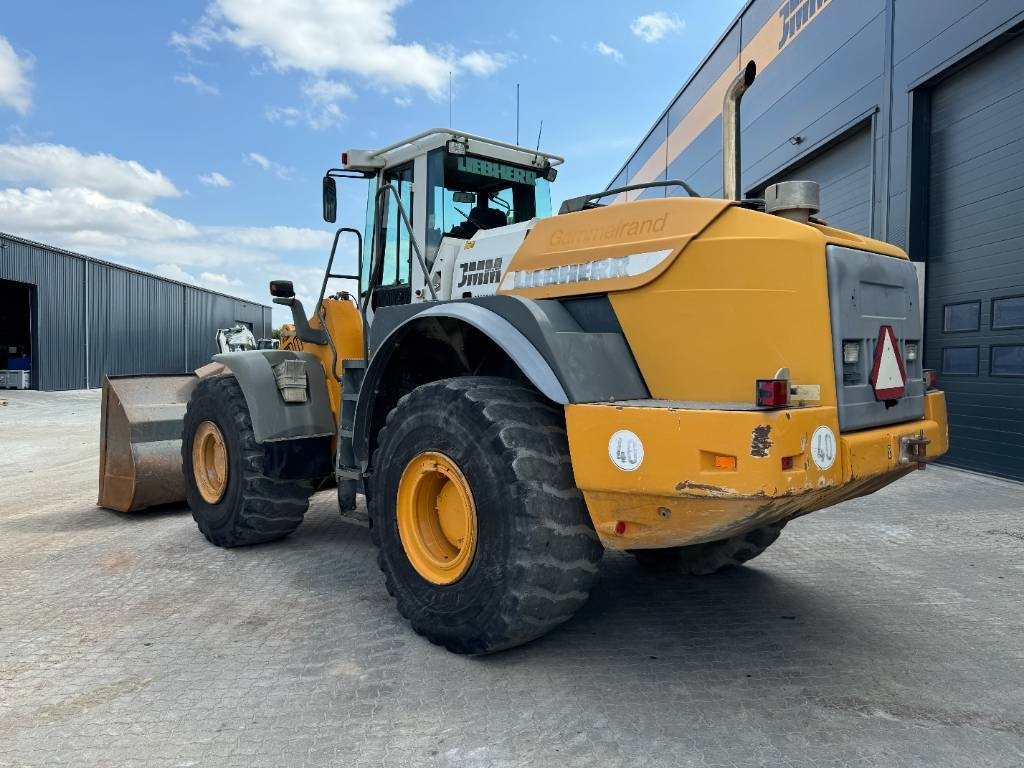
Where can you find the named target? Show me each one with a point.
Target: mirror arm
(302, 327)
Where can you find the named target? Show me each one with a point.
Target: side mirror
(330, 200)
(282, 289)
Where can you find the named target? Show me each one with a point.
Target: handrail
(553, 159)
(328, 274)
(574, 204)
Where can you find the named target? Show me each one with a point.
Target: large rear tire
(482, 535)
(713, 556)
(233, 502)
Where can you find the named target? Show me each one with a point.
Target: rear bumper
(677, 495)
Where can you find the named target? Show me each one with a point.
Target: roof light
(551, 174)
(773, 393)
(910, 350)
(456, 147)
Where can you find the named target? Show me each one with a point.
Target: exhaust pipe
(731, 131)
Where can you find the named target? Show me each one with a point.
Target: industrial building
(910, 115)
(71, 319)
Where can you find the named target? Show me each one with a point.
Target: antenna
(517, 114)
(539, 132)
(449, 98)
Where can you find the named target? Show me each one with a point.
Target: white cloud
(482, 63)
(200, 85)
(55, 165)
(129, 230)
(325, 91)
(272, 238)
(268, 165)
(403, 101)
(214, 278)
(325, 36)
(15, 87)
(239, 260)
(652, 27)
(290, 116)
(175, 272)
(215, 179)
(321, 110)
(606, 50)
(79, 210)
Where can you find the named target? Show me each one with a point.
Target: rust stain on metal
(761, 441)
(711, 490)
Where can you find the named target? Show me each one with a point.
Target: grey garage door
(975, 264)
(844, 174)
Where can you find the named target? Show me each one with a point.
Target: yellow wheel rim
(210, 462)
(436, 518)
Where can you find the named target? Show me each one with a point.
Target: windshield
(468, 193)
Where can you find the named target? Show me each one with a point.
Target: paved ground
(885, 632)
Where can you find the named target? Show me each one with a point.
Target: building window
(1007, 360)
(961, 317)
(1008, 312)
(960, 361)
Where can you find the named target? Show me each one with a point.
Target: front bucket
(140, 440)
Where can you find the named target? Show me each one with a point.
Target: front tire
(233, 502)
(482, 535)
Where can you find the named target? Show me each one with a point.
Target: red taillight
(344, 158)
(773, 393)
(931, 378)
(787, 462)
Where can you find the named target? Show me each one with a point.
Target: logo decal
(823, 448)
(795, 16)
(481, 272)
(888, 376)
(626, 450)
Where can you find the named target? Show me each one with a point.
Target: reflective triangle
(888, 376)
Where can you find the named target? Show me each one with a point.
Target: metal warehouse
(70, 319)
(910, 115)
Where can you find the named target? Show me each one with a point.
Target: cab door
(392, 238)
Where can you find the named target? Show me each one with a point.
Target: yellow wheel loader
(515, 392)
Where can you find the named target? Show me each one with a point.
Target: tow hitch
(914, 448)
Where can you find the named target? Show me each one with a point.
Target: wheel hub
(436, 518)
(210, 462)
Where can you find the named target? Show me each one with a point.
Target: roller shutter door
(974, 304)
(844, 174)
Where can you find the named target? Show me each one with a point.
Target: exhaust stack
(731, 131)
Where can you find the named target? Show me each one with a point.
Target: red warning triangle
(888, 376)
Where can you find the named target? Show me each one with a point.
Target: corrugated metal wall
(120, 320)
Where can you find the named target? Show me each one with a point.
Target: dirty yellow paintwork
(345, 327)
(677, 496)
(616, 230)
(746, 298)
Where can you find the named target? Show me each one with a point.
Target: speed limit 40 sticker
(823, 448)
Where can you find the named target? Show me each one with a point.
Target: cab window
(393, 232)
(467, 193)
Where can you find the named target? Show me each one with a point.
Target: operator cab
(432, 196)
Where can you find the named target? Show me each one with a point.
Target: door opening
(16, 350)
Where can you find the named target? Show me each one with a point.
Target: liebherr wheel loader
(514, 392)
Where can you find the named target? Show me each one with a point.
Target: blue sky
(189, 138)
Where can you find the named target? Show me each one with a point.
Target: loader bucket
(140, 440)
